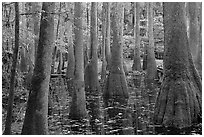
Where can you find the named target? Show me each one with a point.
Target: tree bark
(198, 61)
(104, 62)
(151, 62)
(194, 35)
(33, 48)
(179, 100)
(116, 85)
(91, 71)
(193, 29)
(36, 26)
(59, 68)
(107, 38)
(71, 60)
(37, 106)
(55, 49)
(78, 104)
(7, 130)
(136, 60)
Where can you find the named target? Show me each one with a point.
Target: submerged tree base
(116, 86)
(178, 104)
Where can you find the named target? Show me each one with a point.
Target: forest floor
(133, 117)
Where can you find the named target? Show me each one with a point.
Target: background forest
(105, 68)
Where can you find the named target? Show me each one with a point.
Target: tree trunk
(7, 130)
(104, 62)
(194, 35)
(123, 60)
(23, 61)
(24, 34)
(193, 29)
(71, 60)
(136, 61)
(116, 85)
(91, 72)
(107, 38)
(33, 48)
(144, 63)
(78, 104)
(179, 100)
(37, 106)
(151, 62)
(55, 49)
(198, 61)
(59, 68)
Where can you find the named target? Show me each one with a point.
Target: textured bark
(179, 101)
(195, 34)
(78, 104)
(116, 85)
(151, 62)
(37, 106)
(8, 123)
(198, 61)
(136, 60)
(193, 29)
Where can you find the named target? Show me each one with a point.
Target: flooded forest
(101, 68)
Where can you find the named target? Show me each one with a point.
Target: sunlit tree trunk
(7, 130)
(35, 121)
(78, 104)
(137, 61)
(179, 101)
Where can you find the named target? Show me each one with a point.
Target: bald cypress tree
(179, 100)
(137, 61)
(116, 85)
